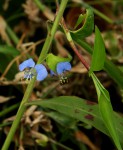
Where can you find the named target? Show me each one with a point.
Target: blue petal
(62, 67)
(52, 73)
(29, 63)
(41, 72)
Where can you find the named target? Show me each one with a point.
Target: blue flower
(61, 68)
(32, 70)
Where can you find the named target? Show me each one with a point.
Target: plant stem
(29, 89)
(73, 45)
(40, 5)
(113, 71)
(52, 32)
(59, 144)
(19, 115)
(6, 111)
(102, 16)
(12, 34)
(15, 16)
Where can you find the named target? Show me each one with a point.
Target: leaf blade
(87, 27)
(53, 60)
(80, 109)
(106, 110)
(99, 55)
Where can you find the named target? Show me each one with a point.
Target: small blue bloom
(61, 68)
(33, 70)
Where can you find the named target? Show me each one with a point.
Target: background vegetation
(71, 116)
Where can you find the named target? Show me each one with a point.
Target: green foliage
(67, 111)
(98, 57)
(80, 109)
(8, 53)
(105, 107)
(80, 19)
(9, 50)
(53, 60)
(112, 70)
(106, 111)
(62, 119)
(87, 27)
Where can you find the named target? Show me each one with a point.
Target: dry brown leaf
(21, 147)
(19, 76)
(39, 135)
(28, 120)
(49, 14)
(30, 110)
(37, 120)
(6, 4)
(10, 119)
(4, 99)
(46, 124)
(41, 119)
(3, 34)
(32, 11)
(80, 136)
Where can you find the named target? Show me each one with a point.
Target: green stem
(5, 124)
(40, 5)
(12, 35)
(19, 115)
(15, 16)
(59, 144)
(52, 32)
(29, 89)
(102, 16)
(53, 146)
(69, 38)
(6, 111)
(112, 70)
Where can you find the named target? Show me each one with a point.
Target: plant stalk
(73, 45)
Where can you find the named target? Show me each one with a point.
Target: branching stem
(73, 46)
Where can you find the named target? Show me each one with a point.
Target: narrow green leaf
(7, 53)
(87, 27)
(106, 111)
(82, 110)
(112, 70)
(99, 55)
(109, 120)
(9, 50)
(99, 87)
(80, 19)
(53, 60)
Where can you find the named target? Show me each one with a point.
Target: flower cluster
(40, 71)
